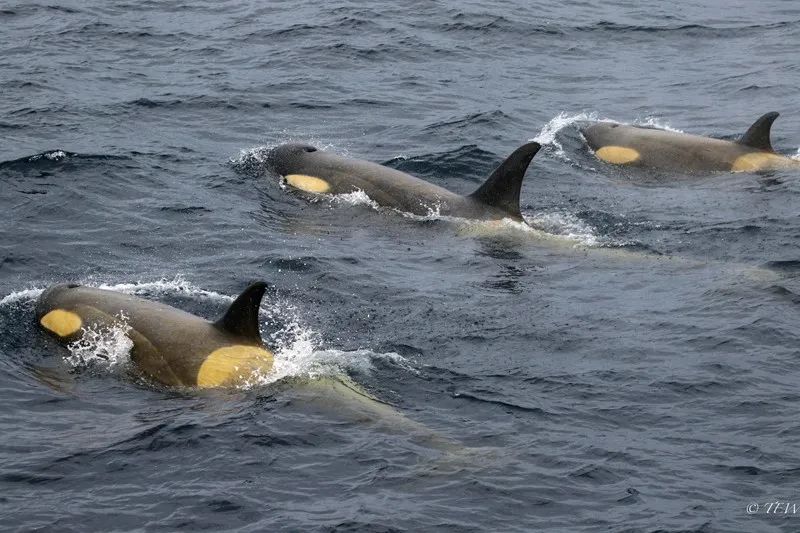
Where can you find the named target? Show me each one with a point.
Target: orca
(170, 346)
(638, 146)
(176, 348)
(308, 169)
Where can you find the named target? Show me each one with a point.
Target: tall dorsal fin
(241, 318)
(757, 136)
(503, 186)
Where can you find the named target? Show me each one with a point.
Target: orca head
(52, 295)
(289, 158)
(597, 134)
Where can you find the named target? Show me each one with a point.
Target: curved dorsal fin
(503, 186)
(757, 136)
(241, 318)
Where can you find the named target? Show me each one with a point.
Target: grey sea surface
(627, 363)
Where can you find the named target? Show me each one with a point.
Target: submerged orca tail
(757, 136)
(502, 188)
(241, 318)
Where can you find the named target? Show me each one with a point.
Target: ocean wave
(461, 161)
(21, 296)
(41, 159)
(53, 158)
(361, 23)
(490, 118)
(548, 135)
(689, 29)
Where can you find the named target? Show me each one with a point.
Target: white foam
(357, 197)
(159, 287)
(107, 347)
(353, 198)
(656, 122)
(255, 155)
(25, 295)
(548, 134)
(556, 225)
(434, 213)
(558, 228)
(298, 353)
(565, 224)
(163, 286)
(55, 155)
(301, 358)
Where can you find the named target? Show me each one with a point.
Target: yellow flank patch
(755, 161)
(308, 183)
(617, 155)
(62, 323)
(232, 364)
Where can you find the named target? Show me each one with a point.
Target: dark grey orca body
(170, 346)
(306, 168)
(654, 148)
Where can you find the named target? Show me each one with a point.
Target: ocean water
(627, 363)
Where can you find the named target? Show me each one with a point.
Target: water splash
(55, 155)
(651, 121)
(353, 198)
(558, 228)
(253, 160)
(163, 287)
(557, 225)
(23, 296)
(434, 213)
(298, 353)
(108, 347)
(565, 224)
(548, 135)
(357, 197)
(250, 158)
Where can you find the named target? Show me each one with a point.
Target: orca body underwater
(622, 144)
(170, 346)
(306, 168)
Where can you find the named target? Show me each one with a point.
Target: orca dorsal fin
(241, 318)
(757, 136)
(502, 188)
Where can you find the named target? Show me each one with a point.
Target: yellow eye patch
(62, 323)
(308, 183)
(617, 155)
